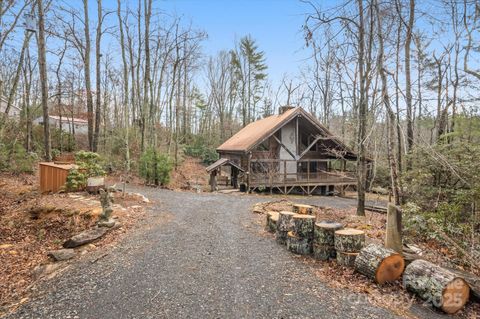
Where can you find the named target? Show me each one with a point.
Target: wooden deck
(272, 177)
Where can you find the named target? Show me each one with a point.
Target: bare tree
(42, 62)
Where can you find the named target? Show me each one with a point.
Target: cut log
(380, 264)
(321, 252)
(284, 221)
(281, 236)
(283, 226)
(393, 235)
(272, 218)
(324, 233)
(346, 259)
(436, 285)
(302, 225)
(349, 240)
(472, 280)
(302, 209)
(298, 245)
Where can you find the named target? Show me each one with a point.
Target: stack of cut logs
(348, 243)
(324, 240)
(443, 288)
(283, 227)
(300, 237)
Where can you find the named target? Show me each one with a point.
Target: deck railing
(276, 172)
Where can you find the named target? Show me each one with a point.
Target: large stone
(61, 254)
(85, 237)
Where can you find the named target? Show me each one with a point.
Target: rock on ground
(85, 237)
(61, 254)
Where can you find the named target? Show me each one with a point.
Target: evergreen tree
(250, 70)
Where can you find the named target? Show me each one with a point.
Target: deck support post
(249, 169)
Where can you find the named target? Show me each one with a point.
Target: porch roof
(221, 162)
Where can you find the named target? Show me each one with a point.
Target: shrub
(14, 158)
(155, 168)
(209, 156)
(444, 185)
(75, 180)
(199, 149)
(90, 163)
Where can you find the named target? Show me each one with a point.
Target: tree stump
(302, 225)
(346, 259)
(379, 263)
(283, 226)
(393, 234)
(302, 209)
(298, 245)
(439, 286)
(322, 252)
(349, 240)
(272, 218)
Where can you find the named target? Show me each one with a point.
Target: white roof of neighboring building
(66, 119)
(69, 119)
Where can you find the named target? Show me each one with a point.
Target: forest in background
(396, 80)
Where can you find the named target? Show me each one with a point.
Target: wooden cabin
(291, 151)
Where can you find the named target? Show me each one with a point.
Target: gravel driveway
(197, 256)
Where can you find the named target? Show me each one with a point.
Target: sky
(275, 24)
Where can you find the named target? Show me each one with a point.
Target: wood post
(379, 263)
(393, 239)
(249, 162)
(436, 285)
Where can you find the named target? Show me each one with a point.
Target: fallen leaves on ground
(32, 224)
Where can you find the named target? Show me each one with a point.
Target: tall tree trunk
(98, 56)
(388, 108)
(125, 88)
(88, 83)
(16, 78)
(42, 62)
(362, 116)
(408, 82)
(397, 100)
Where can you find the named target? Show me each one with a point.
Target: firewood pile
(297, 227)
